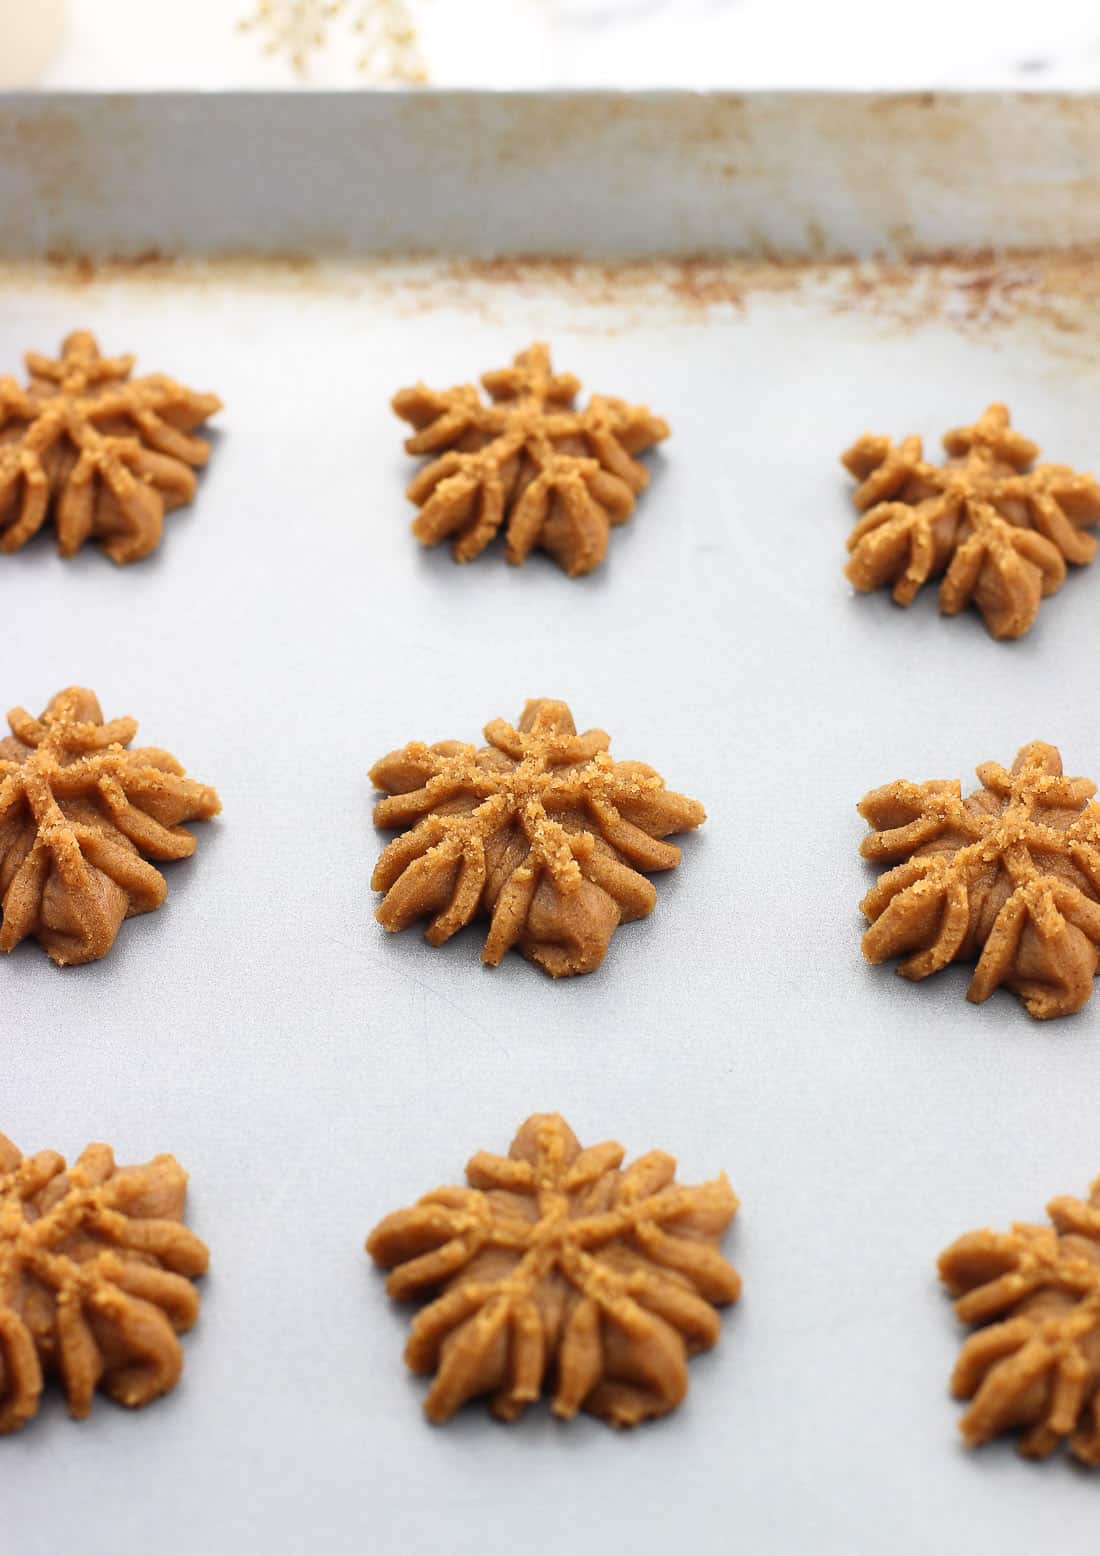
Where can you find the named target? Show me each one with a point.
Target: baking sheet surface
(313, 1073)
(591, 172)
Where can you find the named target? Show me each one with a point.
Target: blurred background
(128, 44)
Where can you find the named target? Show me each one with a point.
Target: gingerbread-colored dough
(552, 475)
(998, 527)
(1035, 1363)
(1008, 876)
(96, 1274)
(78, 810)
(557, 1265)
(539, 831)
(100, 454)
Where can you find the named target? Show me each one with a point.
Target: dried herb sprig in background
(384, 31)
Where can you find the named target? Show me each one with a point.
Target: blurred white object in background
(122, 45)
(30, 36)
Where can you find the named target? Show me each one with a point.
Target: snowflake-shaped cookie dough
(557, 1263)
(554, 476)
(95, 1279)
(1036, 1363)
(1009, 876)
(540, 831)
(1000, 528)
(77, 812)
(100, 454)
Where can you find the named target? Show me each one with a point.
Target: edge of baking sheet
(594, 174)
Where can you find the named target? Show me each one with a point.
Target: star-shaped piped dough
(81, 813)
(552, 475)
(96, 1272)
(102, 455)
(998, 527)
(1008, 876)
(559, 1265)
(540, 831)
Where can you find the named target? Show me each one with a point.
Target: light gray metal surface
(312, 1073)
(565, 173)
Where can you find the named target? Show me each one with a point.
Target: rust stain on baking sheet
(49, 149)
(151, 266)
(82, 270)
(980, 290)
(63, 164)
(559, 126)
(976, 292)
(694, 284)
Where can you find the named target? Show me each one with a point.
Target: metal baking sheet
(592, 173)
(312, 1073)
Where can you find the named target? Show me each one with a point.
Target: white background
(502, 43)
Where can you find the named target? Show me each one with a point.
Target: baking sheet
(593, 173)
(313, 1073)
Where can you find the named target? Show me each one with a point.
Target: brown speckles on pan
(977, 293)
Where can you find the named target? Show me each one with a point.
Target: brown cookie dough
(1035, 1363)
(539, 831)
(96, 1274)
(1008, 876)
(997, 526)
(78, 811)
(552, 475)
(99, 454)
(556, 1263)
